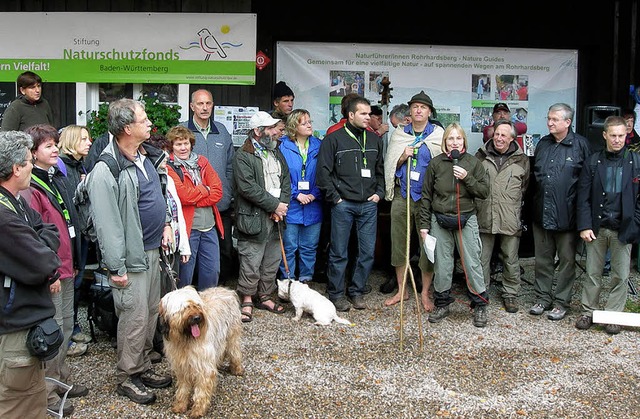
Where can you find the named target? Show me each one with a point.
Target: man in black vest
(606, 219)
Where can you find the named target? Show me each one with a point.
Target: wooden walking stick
(385, 98)
(407, 269)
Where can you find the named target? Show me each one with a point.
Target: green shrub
(632, 306)
(163, 117)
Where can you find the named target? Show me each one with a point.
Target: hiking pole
(407, 267)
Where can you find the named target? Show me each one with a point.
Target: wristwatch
(119, 272)
(54, 277)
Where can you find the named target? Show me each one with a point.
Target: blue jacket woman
(304, 217)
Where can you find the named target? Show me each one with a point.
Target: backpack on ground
(101, 310)
(82, 202)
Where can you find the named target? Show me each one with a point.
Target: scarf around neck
(191, 164)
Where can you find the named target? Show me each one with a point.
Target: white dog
(305, 299)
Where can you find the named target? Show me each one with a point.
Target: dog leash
(284, 255)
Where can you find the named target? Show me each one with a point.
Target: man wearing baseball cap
(502, 111)
(262, 193)
(377, 121)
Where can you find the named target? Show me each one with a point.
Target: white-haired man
(132, 223)
(262, 192)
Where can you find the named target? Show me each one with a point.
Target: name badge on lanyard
(72, 232)
(414, 175)
(365, 172)
(303, 185)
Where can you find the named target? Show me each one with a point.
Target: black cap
(501, 107)
(281, 89)
(376, 110)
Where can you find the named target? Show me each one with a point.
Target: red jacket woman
(206, 194)
(199, 189)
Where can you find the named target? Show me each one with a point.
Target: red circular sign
(262, 60)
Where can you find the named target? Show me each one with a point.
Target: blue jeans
(57, 367)
(343, 216)
(205, 253)
(304, 240)
(77, 281)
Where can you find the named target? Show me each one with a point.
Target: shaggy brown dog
(200, 331)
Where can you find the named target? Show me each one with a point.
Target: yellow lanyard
(5, 201)
(363, 146)
(65, 212)
(303, 153)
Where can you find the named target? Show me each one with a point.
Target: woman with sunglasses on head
(304, 218)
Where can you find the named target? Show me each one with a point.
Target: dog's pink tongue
(195, 331)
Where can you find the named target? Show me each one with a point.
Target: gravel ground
(518, 366)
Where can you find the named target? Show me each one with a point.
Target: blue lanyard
(419, 138)
(264, 150)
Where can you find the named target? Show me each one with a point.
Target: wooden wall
(605, 35)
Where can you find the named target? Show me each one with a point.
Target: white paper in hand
(430, 247)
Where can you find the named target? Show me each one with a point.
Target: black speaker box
(594, 118)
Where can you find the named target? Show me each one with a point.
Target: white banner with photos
(463, 82)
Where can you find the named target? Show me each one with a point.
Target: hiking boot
(390, 285)
(607, 269)
(76, 349)
(81, 338)
(342, 304)
(77, 390)
(67, 409)
(584, 322)
(511, 304)
(537, 309)
(150, 379)
(358, 302)
(134, 389)
(612, 329)
(367, 289)
(438, 314)
(557, 313)
(155, 357)
(496, 268)
(480, 316)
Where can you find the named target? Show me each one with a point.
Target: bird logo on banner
(210, 44)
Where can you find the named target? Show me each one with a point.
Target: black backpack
(83, 204)
(101, 311)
